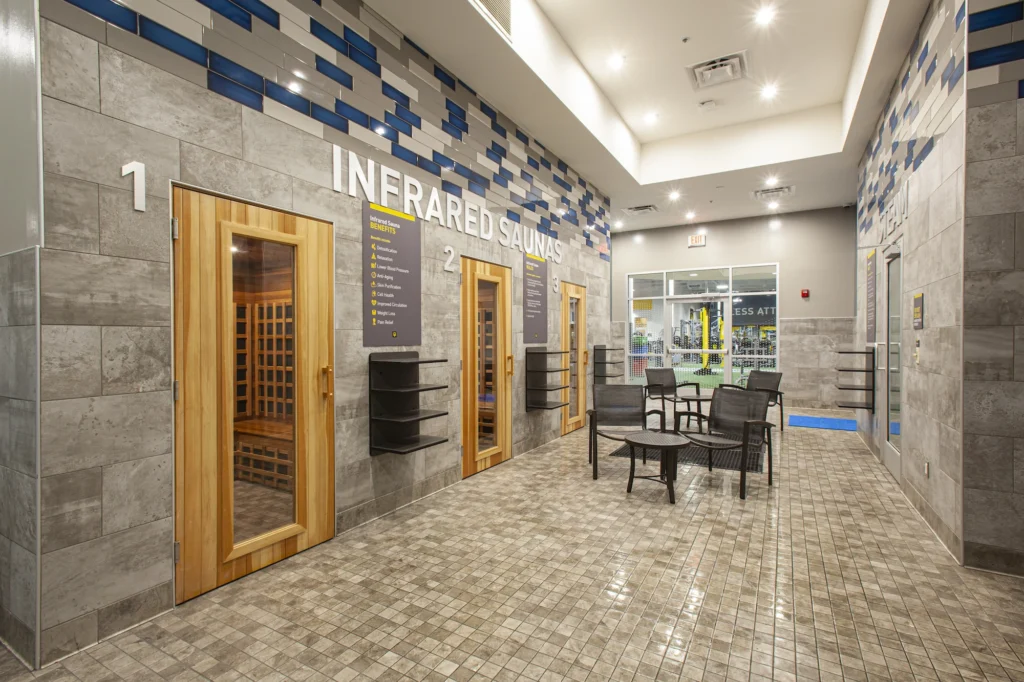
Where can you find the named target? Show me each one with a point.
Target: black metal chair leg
(710, 451)
(782, 416)
(632, 468)
(595, 455)
(743, 475)
(769, 456)
(670, 474)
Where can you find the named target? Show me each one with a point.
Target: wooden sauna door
(574, 343)
(487, 365)
(254, 415)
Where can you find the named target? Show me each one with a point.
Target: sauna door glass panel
(264, 438)
(574, 369)
(487, 368)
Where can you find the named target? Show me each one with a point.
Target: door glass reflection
(487, 337)
(263, 283)
(895, 289)
(574, 378)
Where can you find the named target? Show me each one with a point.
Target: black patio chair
(662, 384)
(737, 420)
(768, 382)
(619, 406)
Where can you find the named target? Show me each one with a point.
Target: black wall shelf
(395, 412)
(605, 367)
(867, 388)
(542, 379)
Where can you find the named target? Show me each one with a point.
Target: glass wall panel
(757, 278)
(695, 282)
(647, 286)
(646, 337)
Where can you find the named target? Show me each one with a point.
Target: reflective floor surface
(534, 571)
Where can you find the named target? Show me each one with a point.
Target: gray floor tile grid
(534, 571)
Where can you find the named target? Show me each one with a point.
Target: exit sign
(698, 240)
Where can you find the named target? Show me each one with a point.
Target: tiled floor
(535, 571)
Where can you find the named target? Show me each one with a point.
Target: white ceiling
(807, 51)
(834, 61)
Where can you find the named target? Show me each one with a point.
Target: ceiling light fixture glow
(771, 181)
(774, 205)
(618, 223)
(693, 274)
(616, 62)
(723, 286)
(294, 87)
(638, 238)
(650, 118)
(702, 230)
(380, 130)
(765, 15)
(769, 91)
(690, 215)
(775, 224)
(673, 196)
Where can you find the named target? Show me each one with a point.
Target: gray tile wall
(19, 483)
(105, 313)
(808, 360)
(993, 362)
(931, 242)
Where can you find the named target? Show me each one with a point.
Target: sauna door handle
(328, 376)
(510, 365)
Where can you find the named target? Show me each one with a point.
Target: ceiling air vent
(774, 193)
(498, 13)
(646, 209)
(726, 69)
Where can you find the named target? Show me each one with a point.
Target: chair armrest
(660, 413)
(700, 420)
(591, 411)
(771, 391)
(742, 388)
(757, 422)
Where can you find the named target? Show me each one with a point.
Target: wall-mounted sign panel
(535, 299)
(697, 240)
(754, 311)
(870, 297)
(392, 280)
(918, 311)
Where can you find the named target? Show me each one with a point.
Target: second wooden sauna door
(487, 365)
(254, 419)
(574, 341)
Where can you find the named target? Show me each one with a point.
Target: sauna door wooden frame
(575, 291)
(474, 272)
(204, 362)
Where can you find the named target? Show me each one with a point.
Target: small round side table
(669, 445)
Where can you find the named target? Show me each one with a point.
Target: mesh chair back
(730, 408)
(619, 404)
(661, 381)
(760, 379)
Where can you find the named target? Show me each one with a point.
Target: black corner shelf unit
(867, 388)
(395, 413)
(542, 380)
(605, 367)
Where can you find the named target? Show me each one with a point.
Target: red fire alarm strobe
(805, 293)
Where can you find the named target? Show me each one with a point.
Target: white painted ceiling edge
(537, 81)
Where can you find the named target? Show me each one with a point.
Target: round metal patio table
(668, 444)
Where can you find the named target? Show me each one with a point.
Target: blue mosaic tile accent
(175, 42)
(328, 117)
(524, 166)
(333, 72)
(236, 72)
(997, 16)
(118, 15)
(451, 188)
(991, 56)
(232, 90)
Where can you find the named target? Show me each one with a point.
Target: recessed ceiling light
(769, 91)
(774, 205)
(765, 15)
(616, 62)
(673, 196)
(775, 224)
(771, 181)
(693, 274)
(638, 238)
(650, 118)
(690, 215)
(618, 223)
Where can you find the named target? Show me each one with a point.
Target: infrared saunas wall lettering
(254, 422)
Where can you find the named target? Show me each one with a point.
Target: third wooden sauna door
(254, 418)
(574, 342)
(487, 365)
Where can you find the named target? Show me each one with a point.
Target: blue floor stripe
(830, 423)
